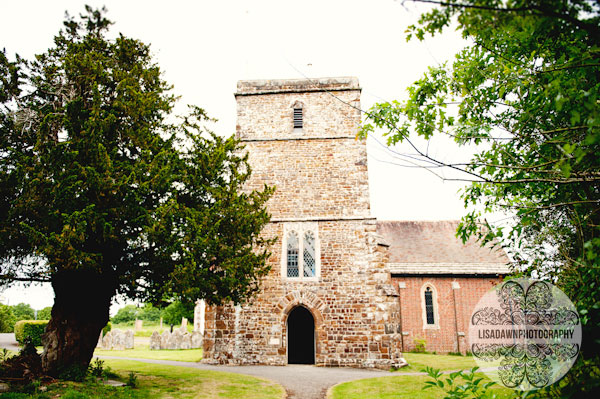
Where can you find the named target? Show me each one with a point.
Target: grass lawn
(418, 361)
(180, 382)
(398, 388)
(409, 386)
(143, 352)
(158, 381)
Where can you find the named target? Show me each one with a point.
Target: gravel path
(8, 341)
(299, 381)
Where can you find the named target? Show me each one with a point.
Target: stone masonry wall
(354, 305)
(447, 335)
(320, 174)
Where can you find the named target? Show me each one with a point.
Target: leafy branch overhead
(526, 91)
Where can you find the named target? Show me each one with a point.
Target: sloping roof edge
(449, 268)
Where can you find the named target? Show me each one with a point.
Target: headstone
(155, 341)
(118, 340)
(99, 345)
(175, 339)
(186, 341)
(196, 340)
(129, 338)
(138, 325)
(184, 322)
(164, 340)
(107, 340)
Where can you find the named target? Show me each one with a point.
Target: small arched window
(292, 254)
(429, 310)
(431, 316)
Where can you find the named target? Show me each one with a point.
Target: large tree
(526, 88)
(101, 195)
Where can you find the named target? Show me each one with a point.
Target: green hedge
(106, 328)
(30, 328)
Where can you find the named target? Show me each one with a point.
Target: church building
(344, 289)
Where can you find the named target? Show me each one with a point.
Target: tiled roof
(423, 247)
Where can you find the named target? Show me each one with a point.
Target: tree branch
(24, 279)
(593, 30)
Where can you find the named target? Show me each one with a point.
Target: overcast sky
(205, 47)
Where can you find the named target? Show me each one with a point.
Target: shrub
(30, 328)
(23, 311)
(106, 328)
(44, 314)
(132, 380)
(149, 313)
(7, 319)
(469, 387)
(420, 345)
(173, 313)
(126, 314)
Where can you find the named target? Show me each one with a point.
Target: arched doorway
(301, 336)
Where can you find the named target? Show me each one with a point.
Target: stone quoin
(332, 279)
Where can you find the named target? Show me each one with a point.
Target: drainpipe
(401, 285)
(455, 286)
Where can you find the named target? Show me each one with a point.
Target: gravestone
(129, 338)
(196, 340)
(118, 340)
(155, 341)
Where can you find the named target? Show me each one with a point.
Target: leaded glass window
(292, 254)
(300, 252)
(309, 254)
(429, 306)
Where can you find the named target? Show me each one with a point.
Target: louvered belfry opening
(297, 118)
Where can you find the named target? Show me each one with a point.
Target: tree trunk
(80, 311)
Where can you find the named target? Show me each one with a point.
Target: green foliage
(30, 328)
(23, 311)
(173, 313)
(149, 313)
(126, 314)
(130, 313)
(107, 328)
(527, 88)
(7, 319)
(95, 179)
(470, 387)
(96, 183)
(132, 380)
(420, 345)
(45, 313)
(96, 368)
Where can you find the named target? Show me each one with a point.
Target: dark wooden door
(301, 336)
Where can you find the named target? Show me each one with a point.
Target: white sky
(205, 47)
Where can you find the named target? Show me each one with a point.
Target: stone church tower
(329, 298)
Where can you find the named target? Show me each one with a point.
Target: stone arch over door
(315, 306)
